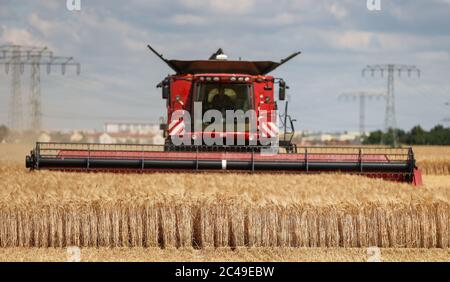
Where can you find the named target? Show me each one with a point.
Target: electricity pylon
(17, 57)
(361, 96)
(11, 55)
(390, 118)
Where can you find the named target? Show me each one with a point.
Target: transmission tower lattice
(390, 121)
(17, 57)
(361, 96)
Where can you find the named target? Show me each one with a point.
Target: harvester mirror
(162, 126)
(165, 85)
(282, 90)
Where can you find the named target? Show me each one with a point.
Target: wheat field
(184, 214)
(433, 159)
(223, 254)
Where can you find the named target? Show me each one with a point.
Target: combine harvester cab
(222, 85)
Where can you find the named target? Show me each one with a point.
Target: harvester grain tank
(222, 86)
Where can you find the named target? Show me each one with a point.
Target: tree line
(438, 135)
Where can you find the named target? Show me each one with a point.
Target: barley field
(219, 216)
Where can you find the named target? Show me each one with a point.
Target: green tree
(374, 137)
(417, 136)
(439, 135)
(388, 138)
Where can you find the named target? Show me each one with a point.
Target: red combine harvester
(224, 85)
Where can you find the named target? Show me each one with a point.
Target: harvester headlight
(240, 79)
(216, 78)
(208, 78)
(247, 79)
(233, 78)
(202, 78)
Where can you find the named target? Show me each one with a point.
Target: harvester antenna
(361, 96)
(390, 118)
(18, 57)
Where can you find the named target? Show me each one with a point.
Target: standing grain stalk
(228, 224)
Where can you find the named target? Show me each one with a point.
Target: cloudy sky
(337, 39)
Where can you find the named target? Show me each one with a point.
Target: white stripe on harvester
(268, 131)
(173, 123)
(178, 128)
(224, 164)
(273, 126)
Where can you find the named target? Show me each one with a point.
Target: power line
(361, 96)
(390, 117)
(17, 57)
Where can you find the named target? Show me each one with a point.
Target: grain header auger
(219, 86)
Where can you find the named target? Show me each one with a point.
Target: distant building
(76, 136)
(348, 136)
(44, 137)
(319, 138)
(105, 138)
(133, 128)
(158, 140)
(93, 137)
(131, 133)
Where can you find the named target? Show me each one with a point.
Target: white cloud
(53, 4)
(43, 26)
(20, 36)
(443, 1)
(437, 56)
(221, 6)
(337, 10)
(187, 19)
